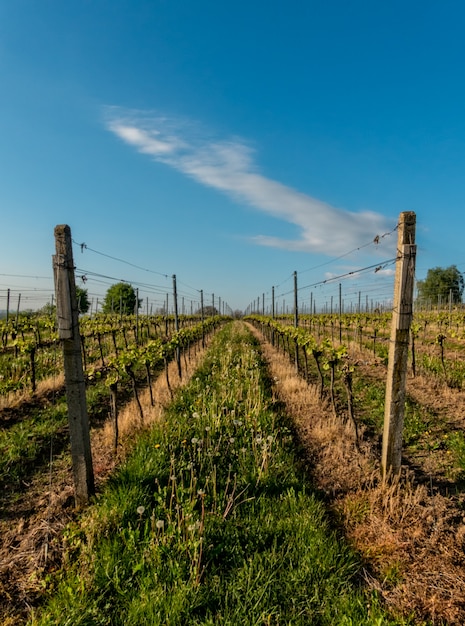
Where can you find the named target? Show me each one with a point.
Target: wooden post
(17, 310)
(296, 321)
(68, 332)
(202, 317)
(7, 304)
(398, 346)
(136, 313)
(272, 314)
(176, 325)
(340, 313)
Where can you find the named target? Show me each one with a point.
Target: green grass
(455, 442)
(211, 521)
(369, 402)
(418, 419)
(25, 444)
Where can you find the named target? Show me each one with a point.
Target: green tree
(120, 298)
(82, 299)
(440, 283)
(47, 309)
(208, 311)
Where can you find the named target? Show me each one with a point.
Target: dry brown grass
(44, 388)
(410, 539)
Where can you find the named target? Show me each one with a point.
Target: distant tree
(82, 299)
(47, 309)
(121, 298)
(208, 311)
(440, 283)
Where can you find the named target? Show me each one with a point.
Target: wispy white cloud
(228, 166)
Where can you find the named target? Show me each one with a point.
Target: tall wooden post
(202, 318)
(7, 304)
(136, 313)
(398, 346)
(17, 309)
(340, 313)
(272, 314)
(68, 332)
(296, 321)
(176, 325)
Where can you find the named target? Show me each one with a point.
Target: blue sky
(230, 144)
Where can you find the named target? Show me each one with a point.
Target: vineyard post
(201, 318)
(398, 345)
(176, 325)
(272, 314)
(296, 321)
(340, 313)
(136, 313)
(68, 332)
(17, 310)
(7, 305)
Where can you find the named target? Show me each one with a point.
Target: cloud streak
(228, 166)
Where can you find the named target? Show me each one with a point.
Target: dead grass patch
(44, 388)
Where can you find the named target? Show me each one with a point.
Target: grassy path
(411, 533)
(211, 520)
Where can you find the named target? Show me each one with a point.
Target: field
(249, 495)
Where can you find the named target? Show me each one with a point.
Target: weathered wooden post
(272, 315)
(399, 345)
(136, 313)
(296, 322)
(176, 325)
(68, 332)
(202, 318)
